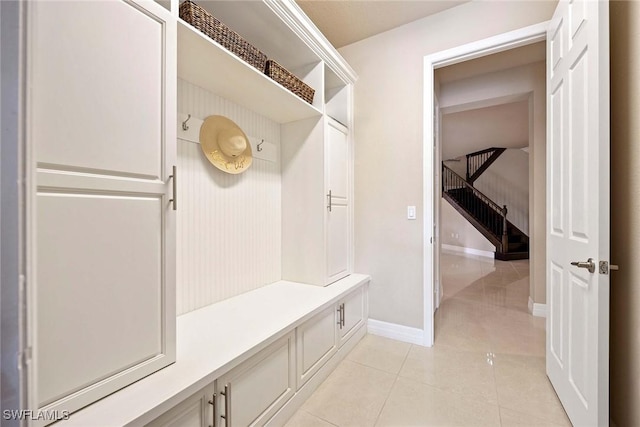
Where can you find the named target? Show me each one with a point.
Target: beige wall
(388, 150)
(625, 213)
(455, 230)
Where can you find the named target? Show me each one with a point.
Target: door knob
(589, 265)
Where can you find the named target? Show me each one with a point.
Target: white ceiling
(347, 21)
(474, 130)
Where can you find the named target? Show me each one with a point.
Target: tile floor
(487, 367)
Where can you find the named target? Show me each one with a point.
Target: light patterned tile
(380, 353)
(305, 419)
(523, 386)
(353, 395)
(412, 403)
(450, 369)
(510, 418)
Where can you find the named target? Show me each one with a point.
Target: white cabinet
(316, 342)
(338, 230)
(316, 199)
(253, 392)
(353, 313)
(195, 411)
(100, 124)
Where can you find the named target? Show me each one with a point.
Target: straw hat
(225, 145)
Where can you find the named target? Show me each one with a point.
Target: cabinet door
(195, 411)
(316, 342)
(101, 124)
(253, 392)
(338, 211)
(353, 314)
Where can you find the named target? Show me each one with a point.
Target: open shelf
(257, 23)
(205, 63)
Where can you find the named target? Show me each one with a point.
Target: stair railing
(497, 224)
(479, 161)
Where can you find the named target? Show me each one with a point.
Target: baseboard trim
(537, 309)
(468, 251)
(395, 331)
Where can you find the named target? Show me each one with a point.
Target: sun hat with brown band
(225, 145)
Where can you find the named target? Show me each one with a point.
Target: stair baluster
(486, 215)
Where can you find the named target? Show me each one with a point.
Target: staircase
(484, 214)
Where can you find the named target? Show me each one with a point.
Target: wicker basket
(227, 38)
(278, 73)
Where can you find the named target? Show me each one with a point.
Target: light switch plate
(411, 212)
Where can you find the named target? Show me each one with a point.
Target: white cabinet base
(280, 418)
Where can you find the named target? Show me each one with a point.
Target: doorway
(432, 175)
(490, 129)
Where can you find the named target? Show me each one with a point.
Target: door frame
(431, 157)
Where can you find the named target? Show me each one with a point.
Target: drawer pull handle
(227, 405)
(213, 403)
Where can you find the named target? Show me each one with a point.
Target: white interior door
(578, 206)
(338, 201)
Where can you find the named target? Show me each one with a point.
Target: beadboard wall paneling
(229, 226)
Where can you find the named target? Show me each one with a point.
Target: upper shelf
(205, 63)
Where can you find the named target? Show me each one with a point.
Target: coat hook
(184, 124)
(259, 145)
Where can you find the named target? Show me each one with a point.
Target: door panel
(338, 160)
(316, 343)
(578, 200)
(94, 112)
(353, 315)
(98, 275)
(195, 411)
(261, 385)
(338, 242)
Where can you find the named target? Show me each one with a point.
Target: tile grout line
(318, 417)
(392, 386)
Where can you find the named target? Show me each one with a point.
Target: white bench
(314, 326)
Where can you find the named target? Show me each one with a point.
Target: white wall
(388, 143)
(229, 226)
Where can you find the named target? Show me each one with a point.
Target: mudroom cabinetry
(353, 315)
(100, 127)
(195, 411)
(316, 141)
(101, 138)
(249, 394)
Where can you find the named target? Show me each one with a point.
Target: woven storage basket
(278, 73)
(227, 38)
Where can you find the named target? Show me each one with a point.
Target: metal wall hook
(259, 145)
(185, 127)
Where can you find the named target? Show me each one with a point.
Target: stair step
(511, 256)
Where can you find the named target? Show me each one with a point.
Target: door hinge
(604, 267)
